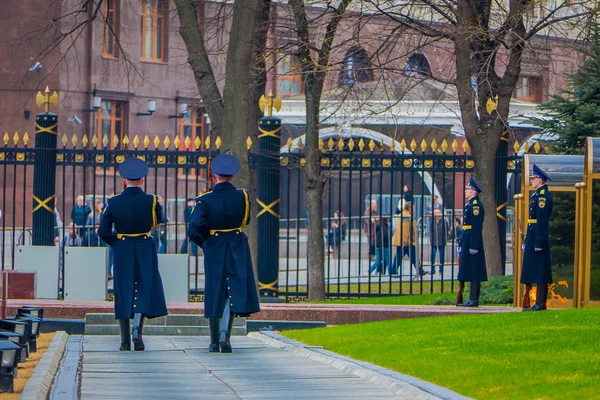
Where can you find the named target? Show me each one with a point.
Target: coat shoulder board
(474, 201)
(542, 191)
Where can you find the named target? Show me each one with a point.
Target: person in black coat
(537, 267)
(216, 225)
(472, 267)
(138, 286)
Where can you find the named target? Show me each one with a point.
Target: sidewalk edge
(40, 383)
(400, 384)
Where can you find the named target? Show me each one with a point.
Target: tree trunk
(200, 64)
(485, 173)
(314, 201)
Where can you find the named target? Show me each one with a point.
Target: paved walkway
(261, 366)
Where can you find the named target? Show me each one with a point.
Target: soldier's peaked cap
(133, 168)
(473, 185)
(225, 165)
(537, 171)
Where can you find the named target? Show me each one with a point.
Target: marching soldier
(137, 283)
(472, 266)
(216, 225)
(536, 260)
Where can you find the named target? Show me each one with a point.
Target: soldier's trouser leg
(125, 335)
(214, 327)
(226, 327)
(541, 294)
(136, 334)
(475, 290)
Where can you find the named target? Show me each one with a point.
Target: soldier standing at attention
(216, 225)
(472, 266)
(536, 267)
(138, 287)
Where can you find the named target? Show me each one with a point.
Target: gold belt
(532, 221)
(124, 235)
(217, 231)
(466, 227)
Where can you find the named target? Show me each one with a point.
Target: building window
(417, 65)
(527, 89)
(193, 126)
(111, 122)
(110, 28)
(153, 30)
(356, 67)
(289, 79)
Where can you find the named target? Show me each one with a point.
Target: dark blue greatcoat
(537, 267)
(472, 267)
(227, 261)
(138, 286)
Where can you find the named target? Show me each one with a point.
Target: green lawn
(415, 299)
(543, 355)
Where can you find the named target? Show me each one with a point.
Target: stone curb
(39, 385)
(406, 386)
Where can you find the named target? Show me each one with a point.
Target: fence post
(267, 216)
(44, 171)
(501, 195)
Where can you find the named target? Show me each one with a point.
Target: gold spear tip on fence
(44, 100)
(270, 104)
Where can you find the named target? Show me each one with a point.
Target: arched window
(356, 67)
(417, 65)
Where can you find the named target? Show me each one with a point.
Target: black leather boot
(125, 335)
(136, 333)
(214, 327)
(226, 327)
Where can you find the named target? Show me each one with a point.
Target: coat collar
(133, 189)
(223, 186)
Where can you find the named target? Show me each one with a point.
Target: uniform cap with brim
(133, 169)
(225, 165)
(473, 185)
(537, 171)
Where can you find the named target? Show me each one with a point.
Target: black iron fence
(375, 243)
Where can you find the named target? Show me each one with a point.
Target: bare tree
(490, 39)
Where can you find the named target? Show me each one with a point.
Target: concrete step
(176, 324)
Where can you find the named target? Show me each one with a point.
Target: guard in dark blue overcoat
(216, 225)
(138, 286)
(537, 268)
(472, 266)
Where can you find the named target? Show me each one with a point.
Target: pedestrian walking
(537, 268)
(216, 225)
(138, 286)
(438, 236)
(472, 266)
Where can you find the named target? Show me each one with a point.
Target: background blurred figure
(191, 203)
(337, 231)
(438, 236)
(369, 226)
(80, 213)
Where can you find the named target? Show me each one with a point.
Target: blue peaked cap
(473, 185)
(225, 165)
(537, 171)
(133, 169)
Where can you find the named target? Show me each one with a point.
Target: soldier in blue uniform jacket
(472, 266)
(138, 286)
(216, 226)
(537, 268)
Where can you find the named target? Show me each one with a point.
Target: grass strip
(26, 369)
(537, 355)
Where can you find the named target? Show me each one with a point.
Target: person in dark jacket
(382, 247)
(138, 286)
(80, 214)
(537, 267)
(472, 266)
(216, 225)
(190, 203)
(438, 235)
